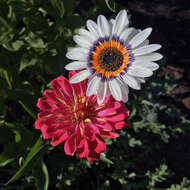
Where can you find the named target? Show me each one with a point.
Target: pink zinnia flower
(69, 115)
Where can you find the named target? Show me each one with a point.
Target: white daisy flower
(113, 56)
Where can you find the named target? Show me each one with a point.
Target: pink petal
(72, 73)
(70, 145)
(63, 88)
(83, 150)
(79, 88)
(59, 138)
(39, 123)
(45, 105)
(119, 125)
(94, 128)
(106, 112)
(105, 126)
(116, 118)
(93, 156)
(101, 145)
(109, 134)
(44, 132)
(124, 110)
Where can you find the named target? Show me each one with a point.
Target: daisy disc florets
(69, 116)
(113, 56)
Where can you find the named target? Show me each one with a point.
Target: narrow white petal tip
(93, 84)
(140, 37)
(146, 49)
(161, 56)
(100, 101)
(101, 92)
(149, 29)
(76, 65)
(80, 76)
(68, 55)
(68, 68)
(115, 89)
(121, 22)
(73, 81)
(138, 71)
(131, 81)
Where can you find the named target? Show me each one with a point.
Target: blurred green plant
(34, 37)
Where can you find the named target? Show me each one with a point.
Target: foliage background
(151, 154)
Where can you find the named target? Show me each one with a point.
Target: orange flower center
(110, 58)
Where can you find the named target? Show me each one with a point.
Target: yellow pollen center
(81, 110)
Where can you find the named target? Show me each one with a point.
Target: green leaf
(6, 32)
(7, 161)
(35, 41)
(58, 4)
(106, 160)
(27, 109)
(30, 157)
(69, 6)
(40, 174)
(110, 4)
(4, 73)
(14, 46)
(27, 61)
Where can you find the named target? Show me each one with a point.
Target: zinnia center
(82, 110)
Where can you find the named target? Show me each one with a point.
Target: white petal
(102, 91)
(92, 27)
(145, 43)
(120, 23)
(133, 33)
(77, 54)
(146, 49)
(103, 26)
(124, 89)
(93, 85)
(111, 22)
(76, 65)
(138, 71)
(126, 34)
(81, 41)
(131, 81)
(149, 57)
(140, 37)
(87, 35)
(150, 65)
(80, 76)
(140, 79)
(115, 89)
